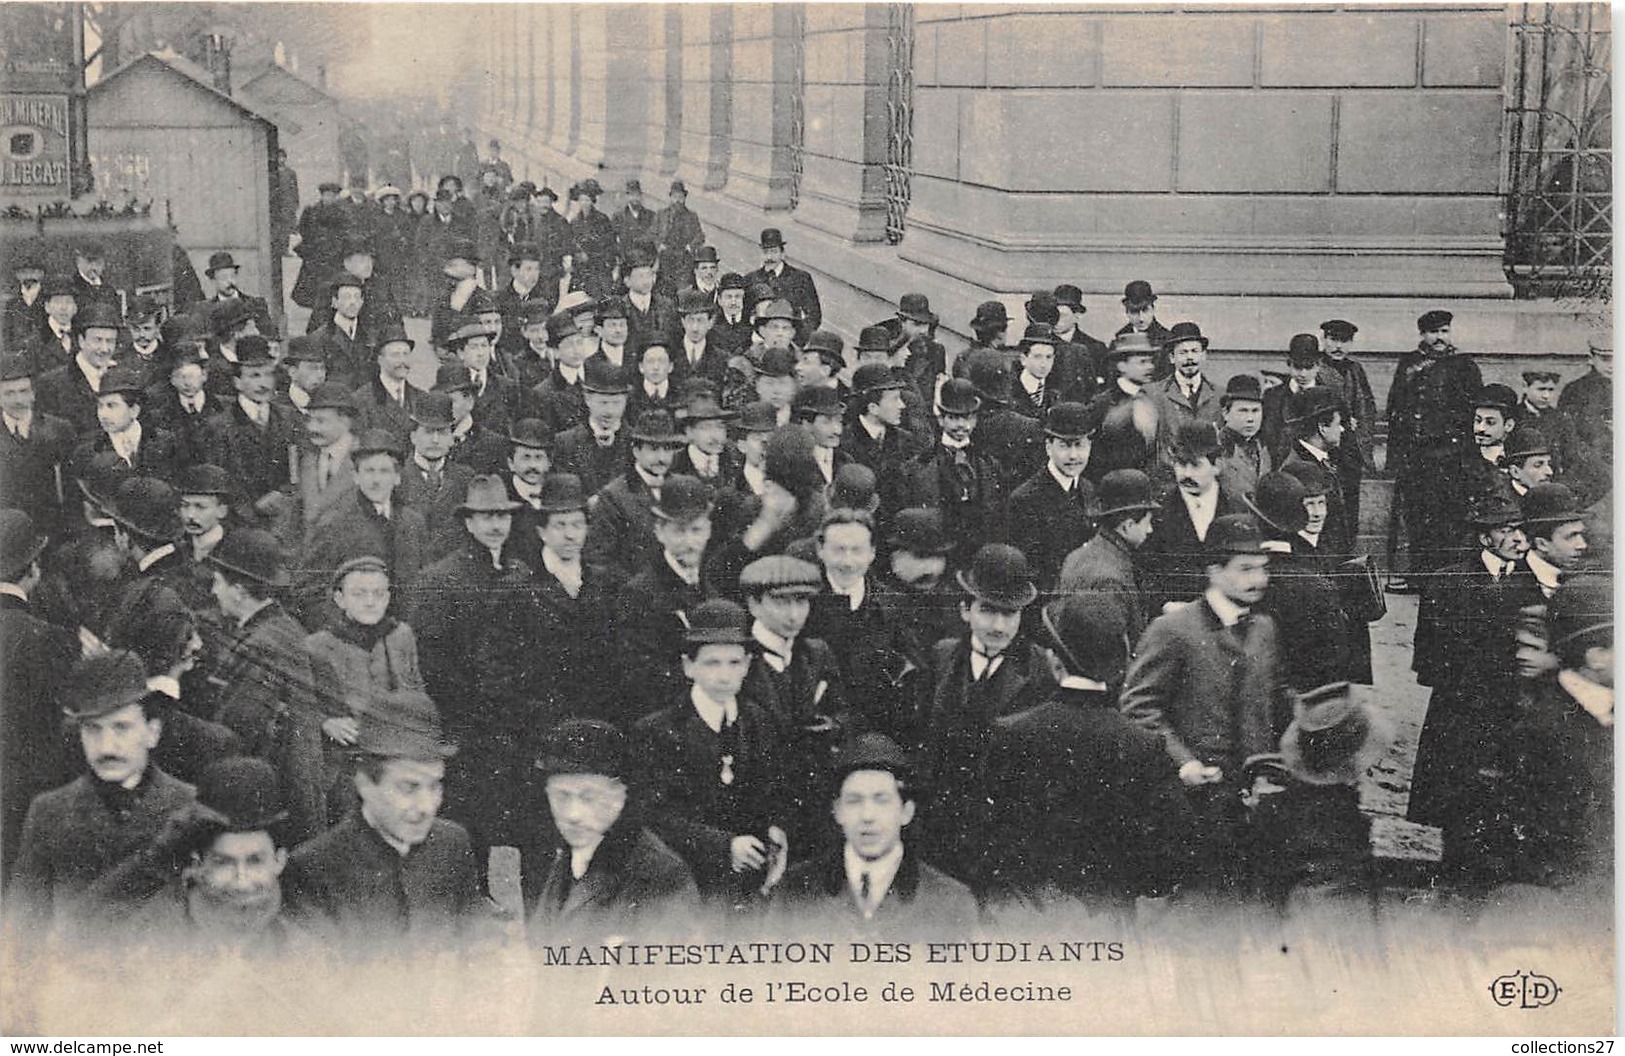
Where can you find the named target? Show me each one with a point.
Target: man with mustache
(1470, 471)
(74, 834)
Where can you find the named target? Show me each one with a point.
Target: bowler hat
(959, 396)
(535, 313)
(790, 462)
(531, 433)
(772, 238)
(463, 249)
(487, 494)
(990, 313)
(781, 576)
(452, 377)
(1526, 441)
(1235, 533)
(999, 576)
(1333, 739)
(1551, 503)
(1582, 612)
(756, 294)
(16, 366)
(219, 261)
(1436, 319)
(829, 346)
(702, 405)
(182, 329)
(706, 255)
(1042, 307)
(1070, 296)
(562, 493)
(679, 187)
(96, 317)
(253, 351)
(403, 724)
(376, 442)
(149, 507)
(1242, 387)
(332, 394)
(1315, 480)
(330, 185)
(253, 554)
(717, 622)
(682, 499)
(561, 325)
(57, 286)
(204, 478)
(875, 377)
(878, 339)
(1311, 403)
(1184, 332)
(103, 683)
(918, 530)
(638, 255)
(245, 791)
(1070, 421)
(584, 746)
(432, 410)
(128, 380)
(1339, 329)
(693, 302)
(603, 377)
(916, 306)
(810, 403)
(1132, 343)
(343, 279)
(1037, 334)
(1194, 441)
(731, 280)
(1303, 350)
(100, 479)
(612, 308)
(777, 308)
(1498, 396)
(777, 363)
(305, 349)
(1088, 638)
(1123, 491)
(145, 306)
(758, 417)
(20, 544)
(523, 251)
(1493, 509)
(1138, 294)
(1278, 502)
(989, 371)
(870, 751)
(228, 315)
(656, 426)
(854, 488)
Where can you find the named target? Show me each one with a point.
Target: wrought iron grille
(899, 116)
(1559, 214)
(798, 100)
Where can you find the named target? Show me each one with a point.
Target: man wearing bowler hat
(1556, 527)
(696, 353)
(89, 272)
(988, 670)
(1528, 459)
(1051, 512)
(1246, 458)
(393, 872)
(350, 341)
(597, 870)
(876, 882)
(68, 389)
(953, 475)
(1303, 361)
(223, 272)
(1140, 307)
(254, 437)
(430, 480)
(530, 456)
(1187, 395)
(1081, 364)
(384, 400)
(263, 677)
(708, 455)
(876, 435)
(1105, 568)
(706, 273)
(1085, 807)
(788, 281)
(1129, 416)
(322, 474)
(1315, 426)
(680, 238)
(1204, 679)
(574, 604)
(74, 834)
(650, 316)
(599, 449)
(34, 448)
(623, 520)
(733, 327)
(558, 398)
(321, 233)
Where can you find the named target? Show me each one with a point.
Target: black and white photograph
(636, 519)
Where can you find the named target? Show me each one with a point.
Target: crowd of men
(706, 615)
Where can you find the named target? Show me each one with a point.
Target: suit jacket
(259, 460)
(309, 500)
(575, 451)
(1047, 523)
(883, 456)
(351, 879)
(161, 406)
(560, 405)
(354, 529)
(572, 640)
(377, 410)
(651, 614)
(816, 896)
(797, 287)
(349, 360)
(158, 454)
(973, 512)
(74, 834)
(1315, 634)
(730, 468)
(622, 531)
(1244, 462)
(713, 364)
(30, 471)
(706, 788)
(633, 883)
(1175, 557)
(1119, 444)
(655, 325)
(1015, 441)
(1210, 692)
(1021, 401)
(1338, 535)
(33, 656)
(1174, 409)
(64, 392)
(438, 504)
(1104, 568)
(105, 294)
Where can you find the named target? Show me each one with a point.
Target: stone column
(765, 76)
(843, 183)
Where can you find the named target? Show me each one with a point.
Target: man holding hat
(223, 272)
(74, 834)
(34, 448)
(988, 670)
(1085, 806)
(1204, 679)
(598, 871)
(713, 759)
(393, 871)
(875, 883)
(263, 677)
(1104, 568)
(1050, 513)
(623, 520)
(69, 388)
(788, 281)
(147, 450)
(253, 437)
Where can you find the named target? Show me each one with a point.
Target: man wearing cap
(788, 281)
(148, 450)
(321, 233)
(574, 604)
(223, 272)
(263, 677)
(253, 437)
(680, 238)
(1587, 403)
(1105, 568)
(875, 883)
(953, 475)
(1085, 806)
(1341, 370)
(1204, 678)
(1128, 414)
(598, 870)
(1050, 513)
(69, 390)
(1186, 395)
(598, 449)
(1140, 308)
(385, 400)
(1317, 431)
(33, 655)
(623, 522)
(34, 446)
(74, 834)
(392, 871)
(714, 768)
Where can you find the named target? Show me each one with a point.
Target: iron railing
(899, 116)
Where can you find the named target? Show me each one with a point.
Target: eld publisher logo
(1524, 990)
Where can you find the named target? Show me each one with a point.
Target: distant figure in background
(353, 153)
(284, 204)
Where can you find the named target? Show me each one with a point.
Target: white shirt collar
(1067, 483)
(403, 849)
(297, 396)
(571, 375)
(882, 871)
(713, 712)
(656, 392)
(152, 557)
(755, 477)
(427, 466)
(250, 408)
(209, 539)
(1030, 384)
(1492, 454)
(700, 458)
(1546, 573)
(168, 685)
(1080, 682)
(1202, 509)
(91, 373)
(1128, 386)
(1322, 457)
(1597, 700)
(874, 427)
(1495, 564)
(127, 443)
(773, 642)
(691, 578)
(14, 591)
(1311, 539)
(581, 858)
(26, 424)
(559, 568)
(1187, 390)
(1229, 612)
(855, 596)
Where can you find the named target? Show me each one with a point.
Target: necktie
(435, 477)
(18, 431)
(324, 469)
(865, 893)
(1038, 396)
